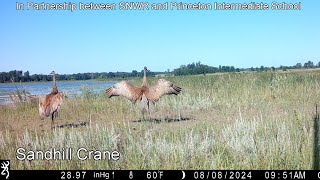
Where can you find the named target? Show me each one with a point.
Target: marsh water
(69, 87)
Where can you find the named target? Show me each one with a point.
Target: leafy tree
(298, 66)
(134, 73)
(308, 64)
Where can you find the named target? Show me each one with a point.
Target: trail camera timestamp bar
(167, 174)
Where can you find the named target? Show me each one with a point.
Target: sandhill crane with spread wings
(50, 104)
(143, 94)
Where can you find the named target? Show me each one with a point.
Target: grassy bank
(227, 121)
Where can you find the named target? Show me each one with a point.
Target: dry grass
(228, 121)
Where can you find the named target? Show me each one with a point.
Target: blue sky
(103, 41)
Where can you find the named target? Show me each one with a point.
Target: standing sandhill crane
(144, 94)
(50, 104)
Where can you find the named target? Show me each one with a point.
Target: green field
(227, 121)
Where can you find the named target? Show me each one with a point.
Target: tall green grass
(228, 121)
(20, 96)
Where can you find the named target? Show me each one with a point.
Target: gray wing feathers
(162, 87)
(124, 89)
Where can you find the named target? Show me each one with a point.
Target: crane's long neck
(145, 81)
(54, 87)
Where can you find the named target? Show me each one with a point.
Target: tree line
(198, 68)
(189, 69)
(20, 76)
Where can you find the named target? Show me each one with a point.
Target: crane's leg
(56, 114)
(148, 106)
(142, 115)
(52, 121)
(143, 105)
